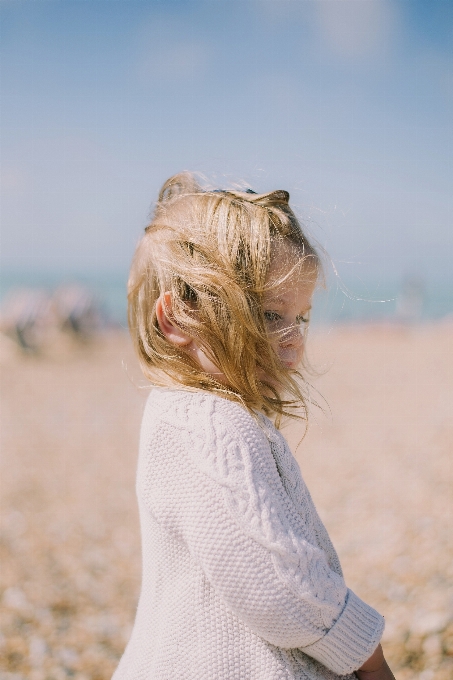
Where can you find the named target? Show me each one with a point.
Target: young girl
(240, 579)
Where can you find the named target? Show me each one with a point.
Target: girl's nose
(293, 337)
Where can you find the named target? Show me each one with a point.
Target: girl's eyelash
(272, 316)
(275, 316)
(303, 319)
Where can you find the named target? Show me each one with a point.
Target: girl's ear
(163, 312)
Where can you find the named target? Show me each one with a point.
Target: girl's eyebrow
(280, 301)
(275, 300)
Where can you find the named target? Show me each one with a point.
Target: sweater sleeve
(208, 477)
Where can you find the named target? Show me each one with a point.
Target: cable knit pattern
(240, 579)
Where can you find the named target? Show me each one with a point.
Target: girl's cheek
(291, 356)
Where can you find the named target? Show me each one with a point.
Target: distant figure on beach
(240, 578)
(28, 316)
(78, 310)
(33, 317)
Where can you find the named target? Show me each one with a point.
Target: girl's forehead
(290, 266)
(298, 294)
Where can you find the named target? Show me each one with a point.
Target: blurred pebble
(432, 648)
(37, 651)
(426, 623)
(68, 656)
(427, 675)
(14, 598)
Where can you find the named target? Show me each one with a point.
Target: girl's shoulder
(216, 433)
(200, 409)
(198, 430)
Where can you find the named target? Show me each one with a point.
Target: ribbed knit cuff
(351, 640)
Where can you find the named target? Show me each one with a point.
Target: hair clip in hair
(226, 191)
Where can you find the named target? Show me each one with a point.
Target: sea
(340, 301)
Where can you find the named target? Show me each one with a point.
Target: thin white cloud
(356, 28)
(174, 62)
(284, 10)
(168, 52)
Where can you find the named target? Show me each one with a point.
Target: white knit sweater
(240, 579)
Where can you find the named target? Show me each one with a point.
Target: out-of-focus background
(347, 104)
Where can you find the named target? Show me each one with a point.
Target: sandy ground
(379, 467)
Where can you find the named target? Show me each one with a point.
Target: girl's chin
(290, 364)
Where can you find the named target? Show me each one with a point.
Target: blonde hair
(211, 249)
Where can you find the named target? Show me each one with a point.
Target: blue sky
(345, 103)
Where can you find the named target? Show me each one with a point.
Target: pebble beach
(377, 458)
